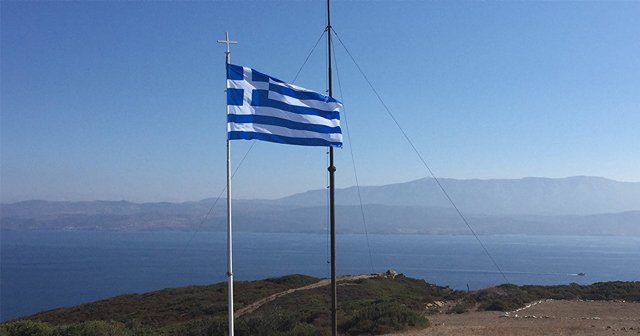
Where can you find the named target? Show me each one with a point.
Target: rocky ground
(547, 317)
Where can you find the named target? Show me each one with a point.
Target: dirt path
(325, 282)
(547, 317)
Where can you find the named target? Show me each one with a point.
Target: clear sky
(125, 100)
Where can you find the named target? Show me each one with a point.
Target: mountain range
(555, 206)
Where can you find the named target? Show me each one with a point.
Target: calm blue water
(43, 270)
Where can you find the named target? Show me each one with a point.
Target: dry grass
(551, 318)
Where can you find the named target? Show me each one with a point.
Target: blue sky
(125, 100)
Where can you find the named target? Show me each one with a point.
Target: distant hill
(569, 206)
(579, 195)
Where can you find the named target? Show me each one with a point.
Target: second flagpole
(332, 196)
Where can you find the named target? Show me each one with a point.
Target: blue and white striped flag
(265, 108)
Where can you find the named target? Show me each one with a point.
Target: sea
(42, 270)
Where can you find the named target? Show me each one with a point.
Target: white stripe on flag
(274, 112)
(247, 85)
(283, 131)
(291, 86)
(305, 103)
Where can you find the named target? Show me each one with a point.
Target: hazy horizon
(125, 100)
(300, 191)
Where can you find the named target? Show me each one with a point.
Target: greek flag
(265, 108)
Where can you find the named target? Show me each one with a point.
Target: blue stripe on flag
(234, 72)
(261, 98)
(257, 76)
(257, 119)
(238, 135)
(235, 97)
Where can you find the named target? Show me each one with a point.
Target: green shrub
(279, 323)
(26, 328)
(293, 280)
(201, 327)
(96, 328)
(498, 305)
(382, 317)
(88, 328)
(459, 308)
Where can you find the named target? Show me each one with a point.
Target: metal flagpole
(332, 198)
(229, 236)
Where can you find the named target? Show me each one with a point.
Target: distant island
(368, 304)
(541, 206)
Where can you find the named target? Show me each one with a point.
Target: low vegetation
(375, 306)
(509, 297)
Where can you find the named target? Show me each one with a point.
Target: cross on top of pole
(227, 41)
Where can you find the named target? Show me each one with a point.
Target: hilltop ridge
(298, 304)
